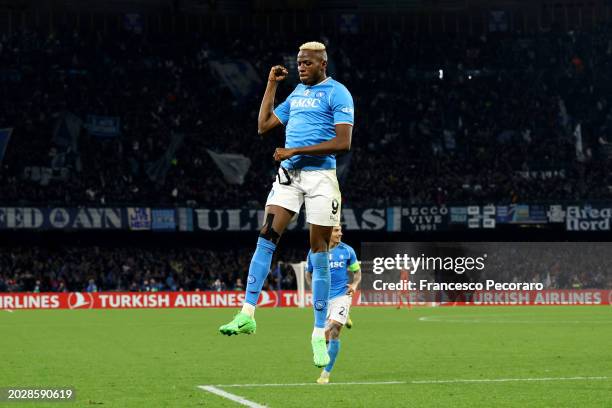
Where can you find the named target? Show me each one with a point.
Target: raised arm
(266, 119)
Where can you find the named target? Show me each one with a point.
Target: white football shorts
(317, 189)
(338, 308)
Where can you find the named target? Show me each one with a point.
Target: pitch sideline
(216, 389)
(233, 397)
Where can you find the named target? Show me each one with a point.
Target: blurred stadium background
(130, 159)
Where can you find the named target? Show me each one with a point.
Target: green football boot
(319, 352)
(242, 323)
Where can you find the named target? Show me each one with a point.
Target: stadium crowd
(91, 269)
(486, 119)
(438, 120)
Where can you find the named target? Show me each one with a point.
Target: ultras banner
(416, 218)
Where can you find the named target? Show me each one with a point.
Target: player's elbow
(344, 146)
(264, 126)
(262, 129)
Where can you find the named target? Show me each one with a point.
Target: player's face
(311, 67)
(336, 235)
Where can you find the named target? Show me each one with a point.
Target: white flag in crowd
(238, 75)
(233, 166)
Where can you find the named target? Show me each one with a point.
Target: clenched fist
(277, 73)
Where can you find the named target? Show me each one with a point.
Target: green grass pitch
(157, 358)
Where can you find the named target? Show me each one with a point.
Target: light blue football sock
(320, 286)
(259, 268)
(332, 350)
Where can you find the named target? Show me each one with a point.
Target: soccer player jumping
(342, 261)
(318, 116)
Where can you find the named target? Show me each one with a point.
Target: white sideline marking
(438, 319)
(8, 310)
(233, 397)
(451, 381)
(491, 380)
(312, 383)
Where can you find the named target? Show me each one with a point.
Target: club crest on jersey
(320, 304)
(251, 279)
(320, 94)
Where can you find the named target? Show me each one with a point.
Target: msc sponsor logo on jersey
(305, 103)
(336, 264)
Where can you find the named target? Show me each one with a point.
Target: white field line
(236, 398)
(436, 319)
(494, 380)
(450, 381)
(9, 310)
(313, 383)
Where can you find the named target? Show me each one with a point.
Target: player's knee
(335, 334)
(267, 232)
(334, 331)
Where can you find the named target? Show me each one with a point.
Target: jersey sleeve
(309, 267)
(342, 106)
(282, 112)
(353, 263)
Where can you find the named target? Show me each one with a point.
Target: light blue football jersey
(310, 114)
(342, 259)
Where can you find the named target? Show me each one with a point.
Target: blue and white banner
(103, 126)
(185, 219)
(163, 220)
(521, 214)
(417, 218)
(62, 218)
(368, 219)
(139, 219)
(588, 217)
